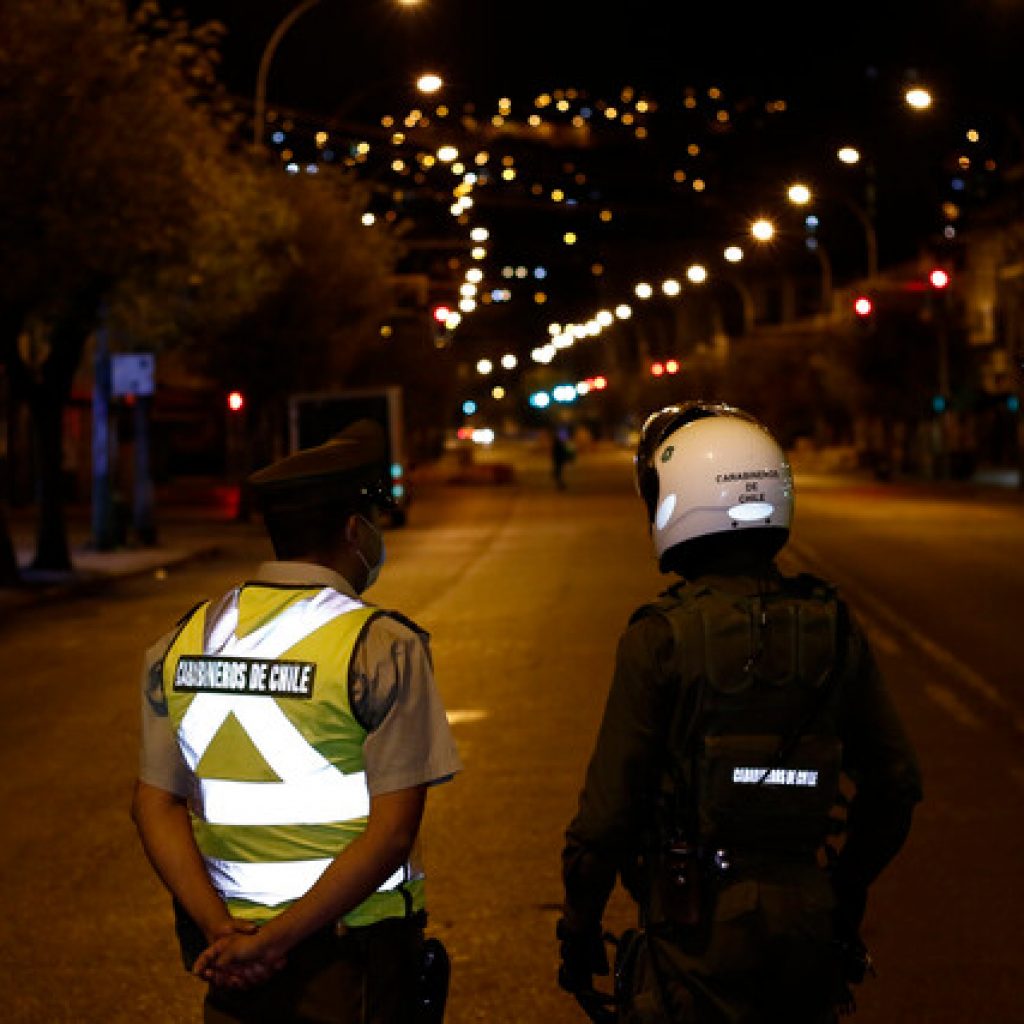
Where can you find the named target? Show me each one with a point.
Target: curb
(83, 583)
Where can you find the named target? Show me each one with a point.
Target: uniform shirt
(391, 690)
(624, 772)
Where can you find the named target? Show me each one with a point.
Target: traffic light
(669, 366)
(863, 306)
(938, 278)
(440, 314)
(236, 401)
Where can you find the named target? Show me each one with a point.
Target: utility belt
(433, 967)
(341, 936)
(339, 940)
(683, 878)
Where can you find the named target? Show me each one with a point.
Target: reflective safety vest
(257, 692)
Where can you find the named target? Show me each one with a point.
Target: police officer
(290, 732)
(746, 719)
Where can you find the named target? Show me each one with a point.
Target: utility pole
(102, 503)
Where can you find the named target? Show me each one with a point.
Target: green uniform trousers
(766, 958)
(364, 976)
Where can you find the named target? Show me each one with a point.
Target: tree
(331, 291)
(116, 169)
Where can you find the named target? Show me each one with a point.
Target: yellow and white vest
(258, 696)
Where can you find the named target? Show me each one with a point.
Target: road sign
(132, 373)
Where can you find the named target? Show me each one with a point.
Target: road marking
(951, 703)
(957, 669)
(882, 640)
(462, 715)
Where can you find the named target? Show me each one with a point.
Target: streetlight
(697, 273)
(432, 81)
(800, 194)
(260, 104)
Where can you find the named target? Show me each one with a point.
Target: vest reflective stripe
(309, 790)
(266, 883)
(315, 800)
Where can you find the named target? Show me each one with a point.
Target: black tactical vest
(754, 755)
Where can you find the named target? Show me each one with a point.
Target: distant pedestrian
(562, 454)
(740, 699)
(290, 733)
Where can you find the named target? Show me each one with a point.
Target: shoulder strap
(818, 699)
(687, 704)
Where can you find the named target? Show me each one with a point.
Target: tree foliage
(124, 189)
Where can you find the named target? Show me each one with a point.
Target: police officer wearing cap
(751, 777)
(290, 732)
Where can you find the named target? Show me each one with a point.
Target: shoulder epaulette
(405, 621)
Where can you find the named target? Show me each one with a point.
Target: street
(524, 590)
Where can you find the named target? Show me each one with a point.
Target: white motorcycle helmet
(708, 470)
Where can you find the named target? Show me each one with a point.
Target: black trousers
(364, 976)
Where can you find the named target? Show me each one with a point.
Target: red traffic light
(600, 383)
(672, 366)
(863, 306)
(657, 369)
(938, 278)
(441, 313)
(236, 401)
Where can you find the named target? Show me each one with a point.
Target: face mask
(372, 571)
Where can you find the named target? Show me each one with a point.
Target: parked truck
(315, 417)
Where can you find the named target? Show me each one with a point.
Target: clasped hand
(240, 957)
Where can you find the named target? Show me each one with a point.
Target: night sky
(822, 53)
(841, 68)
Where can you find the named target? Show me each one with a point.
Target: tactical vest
(257, 692)
(754, 756)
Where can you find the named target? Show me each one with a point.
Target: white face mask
(372, 571)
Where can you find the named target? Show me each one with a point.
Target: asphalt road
(525, 590)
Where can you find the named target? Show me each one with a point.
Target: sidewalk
(196, 518)
(197, 525)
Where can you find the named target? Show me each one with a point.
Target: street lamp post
(260, 103)
(801, 195)
(870, 236)
(260, 99)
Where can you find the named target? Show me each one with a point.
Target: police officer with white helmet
(751, 777)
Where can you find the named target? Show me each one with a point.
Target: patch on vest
(259, 677)
(774, 777)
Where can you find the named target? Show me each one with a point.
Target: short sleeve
(409, 742)
(160, 760)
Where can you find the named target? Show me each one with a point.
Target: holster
(679, 892)
(433, 975)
